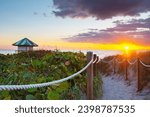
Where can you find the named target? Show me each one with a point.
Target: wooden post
(94, 65)
(97, 66)
(90, 77)
(138, 75)
(126, 69)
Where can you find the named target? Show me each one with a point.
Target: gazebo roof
(25, 42)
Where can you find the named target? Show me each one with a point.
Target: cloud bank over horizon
(135, 31)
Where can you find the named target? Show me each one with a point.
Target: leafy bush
(43, 66)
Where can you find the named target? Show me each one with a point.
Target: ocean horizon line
(101, 53)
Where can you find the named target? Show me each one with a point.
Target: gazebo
(25, 45)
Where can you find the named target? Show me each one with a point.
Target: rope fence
(95, 61)
(145, 65)
(104, 61)
(132, 63)
(19, 87)
(119, 62)
(127, 63)
(91, 67)
(99, 59)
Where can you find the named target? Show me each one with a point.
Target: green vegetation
(98, 86)
(44, 66)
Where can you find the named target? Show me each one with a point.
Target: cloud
(135, 31)
(35, 13)
(100, 9)
(44, 14)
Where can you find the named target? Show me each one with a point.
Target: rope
(99, 59)
(107, 61)
(120, 61)
(95, 60)
(17, 87)
(132, 63)
(145, 65)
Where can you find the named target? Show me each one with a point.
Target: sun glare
(130, 47)
(126, 47)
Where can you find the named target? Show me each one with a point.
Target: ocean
(101, 53)
(7, 52)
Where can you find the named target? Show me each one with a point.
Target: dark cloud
(135, 31)
(101, 9)
(131, 25)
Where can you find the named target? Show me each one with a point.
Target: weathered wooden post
(138, 75)
(94, 64)
(97, 66)
(90, 77)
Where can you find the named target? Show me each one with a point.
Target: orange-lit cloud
(136, 31)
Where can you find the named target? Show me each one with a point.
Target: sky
(76, 24)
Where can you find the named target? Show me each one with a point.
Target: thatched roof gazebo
(25, 45)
